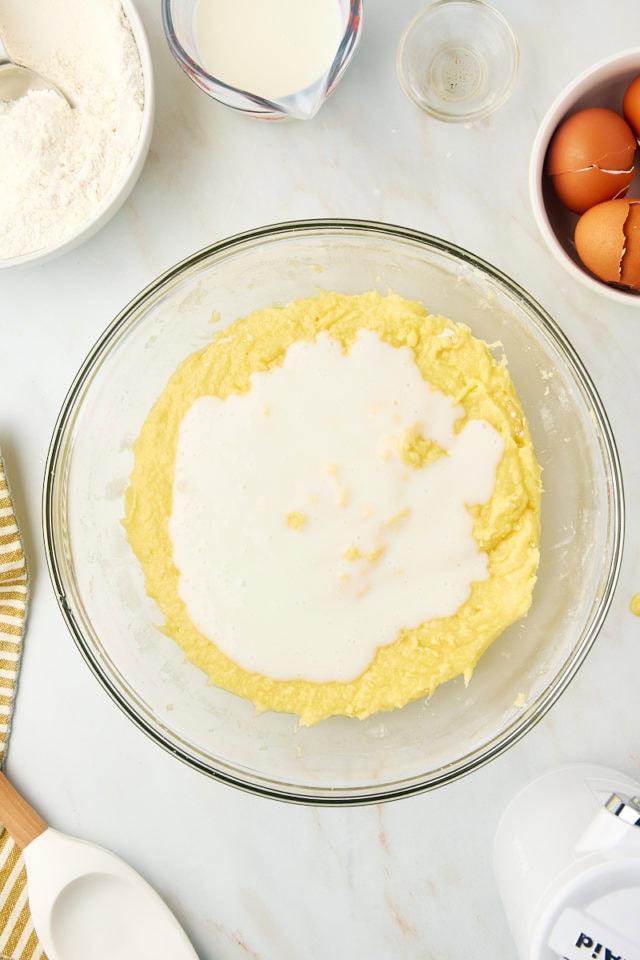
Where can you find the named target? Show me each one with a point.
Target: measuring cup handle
(21, 820)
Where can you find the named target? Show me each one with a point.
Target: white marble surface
(251, 878)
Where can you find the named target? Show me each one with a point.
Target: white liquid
(270, 48)
(377, 546)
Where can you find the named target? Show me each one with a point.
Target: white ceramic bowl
(123, 186)
(602, 85)
(100, 585)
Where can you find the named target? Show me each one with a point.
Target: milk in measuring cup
(270, 48)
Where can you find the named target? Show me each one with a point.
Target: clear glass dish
(99, 583)
(458, 60)
(178, 22)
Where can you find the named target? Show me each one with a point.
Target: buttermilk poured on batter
(336, 505)
(327, 541)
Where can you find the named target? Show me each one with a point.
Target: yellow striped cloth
(17, 937)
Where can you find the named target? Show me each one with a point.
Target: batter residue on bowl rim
(336, 505)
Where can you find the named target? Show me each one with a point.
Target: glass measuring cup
(180, 30)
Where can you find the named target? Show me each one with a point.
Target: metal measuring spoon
(17, 81)
(85, 902)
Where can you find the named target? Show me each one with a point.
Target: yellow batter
(507, 527)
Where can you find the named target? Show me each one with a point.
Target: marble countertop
(251, 878)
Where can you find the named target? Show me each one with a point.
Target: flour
(59, 165)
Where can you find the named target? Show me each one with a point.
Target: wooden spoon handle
(21, 820)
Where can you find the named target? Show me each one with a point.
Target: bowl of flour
(67, 167)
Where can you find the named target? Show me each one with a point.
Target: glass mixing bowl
(99, 583)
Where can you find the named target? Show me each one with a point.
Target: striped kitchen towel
(17, 937)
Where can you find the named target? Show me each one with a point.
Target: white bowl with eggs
(602, 85)
(73, 181)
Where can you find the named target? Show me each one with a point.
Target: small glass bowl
(178, 22)
(458, 60)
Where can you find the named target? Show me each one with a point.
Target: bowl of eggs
(584, 177)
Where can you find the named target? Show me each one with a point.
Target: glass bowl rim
(260, 784)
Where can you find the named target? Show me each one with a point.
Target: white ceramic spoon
(86, 903)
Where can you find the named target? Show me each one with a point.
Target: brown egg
(607, 240)
(590, 158)
(631, 106)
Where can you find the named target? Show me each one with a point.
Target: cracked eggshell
(590, 158)
(630, 273)
(607, 240)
